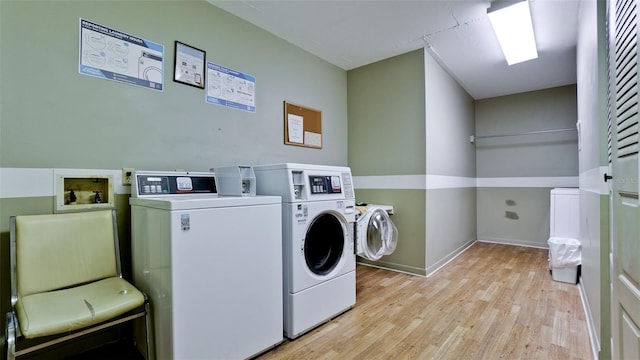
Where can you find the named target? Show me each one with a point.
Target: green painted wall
(409, 217)
(408, 120)
(514, 215)
(451, 224)
(450, 120)
(451, 162)
(386, 117)
(549, 160)
(553, 154)
(54, 117)
(387, 137)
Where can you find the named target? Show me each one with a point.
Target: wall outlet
(127, 175)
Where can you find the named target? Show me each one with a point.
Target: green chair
(66, 281)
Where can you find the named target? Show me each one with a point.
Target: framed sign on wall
(189, 65)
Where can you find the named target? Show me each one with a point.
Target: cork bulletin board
(302, 126)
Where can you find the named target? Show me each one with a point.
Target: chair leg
(148, 325)
(11, 337)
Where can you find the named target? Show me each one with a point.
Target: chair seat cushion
(75, 308)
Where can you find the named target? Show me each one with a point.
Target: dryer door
(324, 244)
(376, 234)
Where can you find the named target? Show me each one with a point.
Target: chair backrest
(55, 251)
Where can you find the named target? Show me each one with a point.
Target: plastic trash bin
(564, 259)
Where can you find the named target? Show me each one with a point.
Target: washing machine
(211, 266)
(318, 219)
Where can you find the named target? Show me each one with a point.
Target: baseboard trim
(431, 270)
(515, 243)
(593, 338)
(391, 269)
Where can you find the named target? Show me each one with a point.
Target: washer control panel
(153, 183)
(325, 184)
(304, 182)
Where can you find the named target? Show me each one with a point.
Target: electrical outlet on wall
(127, 175)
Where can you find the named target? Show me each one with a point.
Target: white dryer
(375, 235)
(318, 251)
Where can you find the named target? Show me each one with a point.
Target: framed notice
(189, 65)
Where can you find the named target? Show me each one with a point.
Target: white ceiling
(353, 33)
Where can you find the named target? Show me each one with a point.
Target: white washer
(318, 250)
(212, 266)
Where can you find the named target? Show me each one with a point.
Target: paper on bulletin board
(312, 139)
(295, 126)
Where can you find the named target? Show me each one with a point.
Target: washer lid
(376, 234)
(207, 201)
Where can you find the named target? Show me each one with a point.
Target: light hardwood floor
(491, 302)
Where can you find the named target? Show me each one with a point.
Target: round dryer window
(376, 234)
(323, 244)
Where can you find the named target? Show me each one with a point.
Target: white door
(376, 235)
(625, 243)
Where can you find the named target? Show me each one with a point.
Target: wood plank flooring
(491, 302)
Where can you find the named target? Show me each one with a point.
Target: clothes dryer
(375, 234)
(318, 217)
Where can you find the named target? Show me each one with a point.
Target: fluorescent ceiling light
(511, 21)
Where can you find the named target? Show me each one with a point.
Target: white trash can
(564, 259)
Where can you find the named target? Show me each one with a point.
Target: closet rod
(473, 138)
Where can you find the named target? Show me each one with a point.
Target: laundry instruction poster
(113, 55)
(230, 88)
